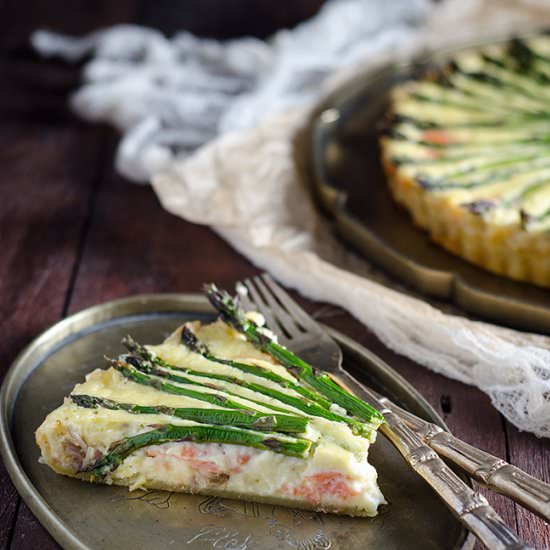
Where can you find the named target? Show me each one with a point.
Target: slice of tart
(467, 152)
(207, 412)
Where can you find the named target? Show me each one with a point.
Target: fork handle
(468, 506)
(495, 473)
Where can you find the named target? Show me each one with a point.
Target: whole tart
(467, 152)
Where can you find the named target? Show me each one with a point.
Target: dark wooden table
(74, 234)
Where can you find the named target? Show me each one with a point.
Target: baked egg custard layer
(207, 412)
(467, 152)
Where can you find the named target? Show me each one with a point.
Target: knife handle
(468, 506)
(495, 473)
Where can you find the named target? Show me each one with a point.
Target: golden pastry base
(503, 249)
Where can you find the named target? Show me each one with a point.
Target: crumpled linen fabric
(244, 182)
(171, 95)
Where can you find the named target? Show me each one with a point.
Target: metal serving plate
(341, 142)
(80, 515)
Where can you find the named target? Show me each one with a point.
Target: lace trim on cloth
(170, 97)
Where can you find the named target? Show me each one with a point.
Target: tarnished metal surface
(80, 515)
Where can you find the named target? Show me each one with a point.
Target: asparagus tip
(189, 340)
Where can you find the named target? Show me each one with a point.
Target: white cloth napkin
(170, 96)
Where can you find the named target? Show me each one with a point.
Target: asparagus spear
(296, 447)
(150, 367)
(309, 407)
(148, 361)
(245, 419)
(190, 340)
(194, 344)
(139, 377)
(263, 340)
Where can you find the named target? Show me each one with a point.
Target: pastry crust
(457, 169)
(502, 249)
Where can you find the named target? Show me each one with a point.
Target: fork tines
(277, 307)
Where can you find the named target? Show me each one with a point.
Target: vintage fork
(409, 434)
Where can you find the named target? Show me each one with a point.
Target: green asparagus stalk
(148, 368)
(139, 377)
(194, 344)
(190, 340)
(309, 407)
(296, 447)
(141, 358)
(243, 419)
(263, 340)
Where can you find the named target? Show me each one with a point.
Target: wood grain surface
(74, 234)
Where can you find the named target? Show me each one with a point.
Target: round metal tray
(80, 515)
(341, 143)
